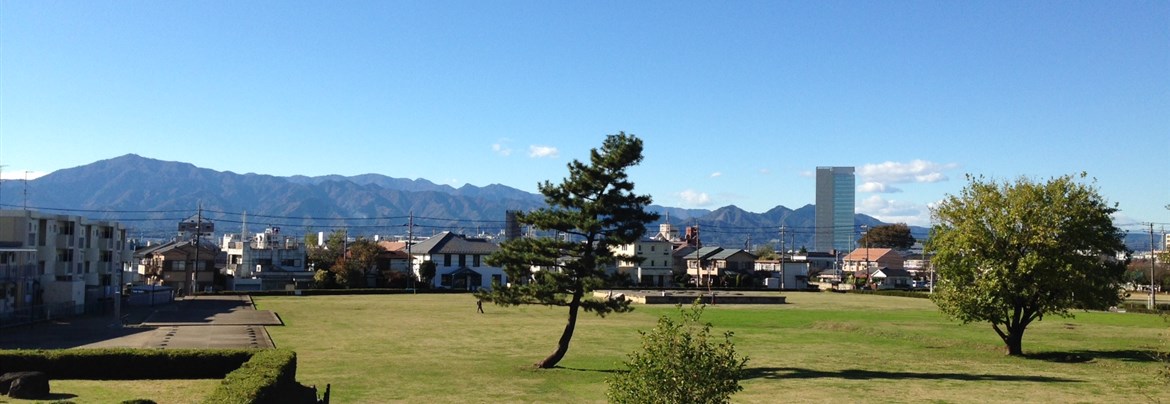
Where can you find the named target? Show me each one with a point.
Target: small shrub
(679, 363)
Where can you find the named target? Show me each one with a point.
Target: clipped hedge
(332, 292)
(126, 363)
(269, 377)
(1131, 307)
(898, 293)
(249, 375)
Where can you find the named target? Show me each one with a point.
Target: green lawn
(820, 347)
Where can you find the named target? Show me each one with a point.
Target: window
(475, 261)
(445, 280)
(462, 260)
(447, 260)
(498, 279)
(652, 248)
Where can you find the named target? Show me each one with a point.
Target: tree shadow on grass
(861, 374)
(1082, 356)
(593, 370)
(51, 396)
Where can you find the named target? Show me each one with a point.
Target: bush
(679, 363)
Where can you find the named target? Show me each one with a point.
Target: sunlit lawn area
(820, 347)
(116, 391)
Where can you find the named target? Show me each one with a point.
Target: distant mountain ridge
(152, 195)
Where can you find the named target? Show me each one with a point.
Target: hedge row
(1141, 308)
(269, 377)
(126, 363)
(330, 292)
(249, 375)
(899, 293)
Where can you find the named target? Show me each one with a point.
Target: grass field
(820, 347)
(115, 391)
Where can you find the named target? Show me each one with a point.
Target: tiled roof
(450, 243)
(874, 254)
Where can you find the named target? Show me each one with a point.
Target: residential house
(786, 274)
(656, 268)
(869, 260)
(177, 263)
(709, 264)
(265, 261)
(459, 261)
(917, 265)
(892, 278)
(62, 260)
(393, 265)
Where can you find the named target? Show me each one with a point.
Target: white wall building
(53, 259)
(459, 261)
(265, 261)
(656, 268)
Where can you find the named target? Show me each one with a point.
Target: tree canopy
(1011, 253)
(888, 236)
(596, 208)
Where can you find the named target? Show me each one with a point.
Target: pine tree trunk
(563, 345)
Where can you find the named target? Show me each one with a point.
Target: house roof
(392, 245)
(871, 254)
(728, 253)
(891, 273)
(181, 245)
(451, 243)
(704, 253)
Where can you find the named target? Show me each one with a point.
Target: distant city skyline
(737, 103)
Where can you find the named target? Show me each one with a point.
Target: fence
(38, 313)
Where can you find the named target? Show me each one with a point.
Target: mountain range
(152, 196)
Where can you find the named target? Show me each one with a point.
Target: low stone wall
(687, 297)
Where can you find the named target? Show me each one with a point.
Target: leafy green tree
(361, 261)
(680, 363)
(324, 256)
(426, 273)
(766, 252)
(1011, 253)
(596, 206)
(888, 236)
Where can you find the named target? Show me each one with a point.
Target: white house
(656, 268)
(786, 275)
(459, 261)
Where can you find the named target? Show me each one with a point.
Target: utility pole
(198, 232)
(1153, 304)
(409, 243)
(782, 250)
(865, 235)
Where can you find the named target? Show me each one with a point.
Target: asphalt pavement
(193, 322)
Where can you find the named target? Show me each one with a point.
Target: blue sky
(737, 102)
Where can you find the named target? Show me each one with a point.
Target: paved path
(197, 322)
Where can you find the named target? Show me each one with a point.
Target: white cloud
(21, 174)
(502, 150)
(895, 211)
(901, 173)
(808, 174)
(765, 171)
(878, 188)
(878, 177)
(536, 151)
(692, 198)
(716, 174)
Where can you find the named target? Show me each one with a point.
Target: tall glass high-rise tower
(834, 209)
